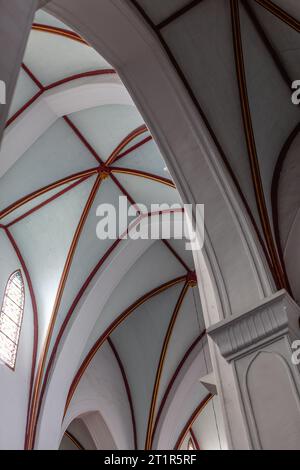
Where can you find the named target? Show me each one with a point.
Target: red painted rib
(39, 192)
(67, 319)
(32, 77)
(123, 190)
(280, 14)
(70, 313)
(34, 310)
(83, 139)
(112, 327)
(55, 310)
(137, 132)
(144, 174)
(23, 108)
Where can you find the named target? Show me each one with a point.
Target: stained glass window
(11, 319)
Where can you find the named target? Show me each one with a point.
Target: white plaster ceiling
(200, 39)
(201, 42)
(41, 147)
(78, 437)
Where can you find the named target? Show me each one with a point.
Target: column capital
(241, 334)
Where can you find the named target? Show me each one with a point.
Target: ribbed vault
(84, 143)
(249, 50)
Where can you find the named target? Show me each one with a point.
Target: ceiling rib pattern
(191, 421)
(47, 201)
(74, 440)
(43, 89)
(160, 289)
(195, 441)
(81, 176)
(33, 202)
(188, 281)
(180, 17)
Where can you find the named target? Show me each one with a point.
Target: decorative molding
(275, 317)
(281, 161)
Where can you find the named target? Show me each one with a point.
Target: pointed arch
(191, 445)
(11, 318)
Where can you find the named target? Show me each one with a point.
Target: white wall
(14, 387)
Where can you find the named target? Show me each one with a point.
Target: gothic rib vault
(249, 50)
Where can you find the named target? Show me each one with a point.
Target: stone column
(15, 23)
(258, 345)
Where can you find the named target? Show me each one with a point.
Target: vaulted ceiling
(238, 60)
(74, 140)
